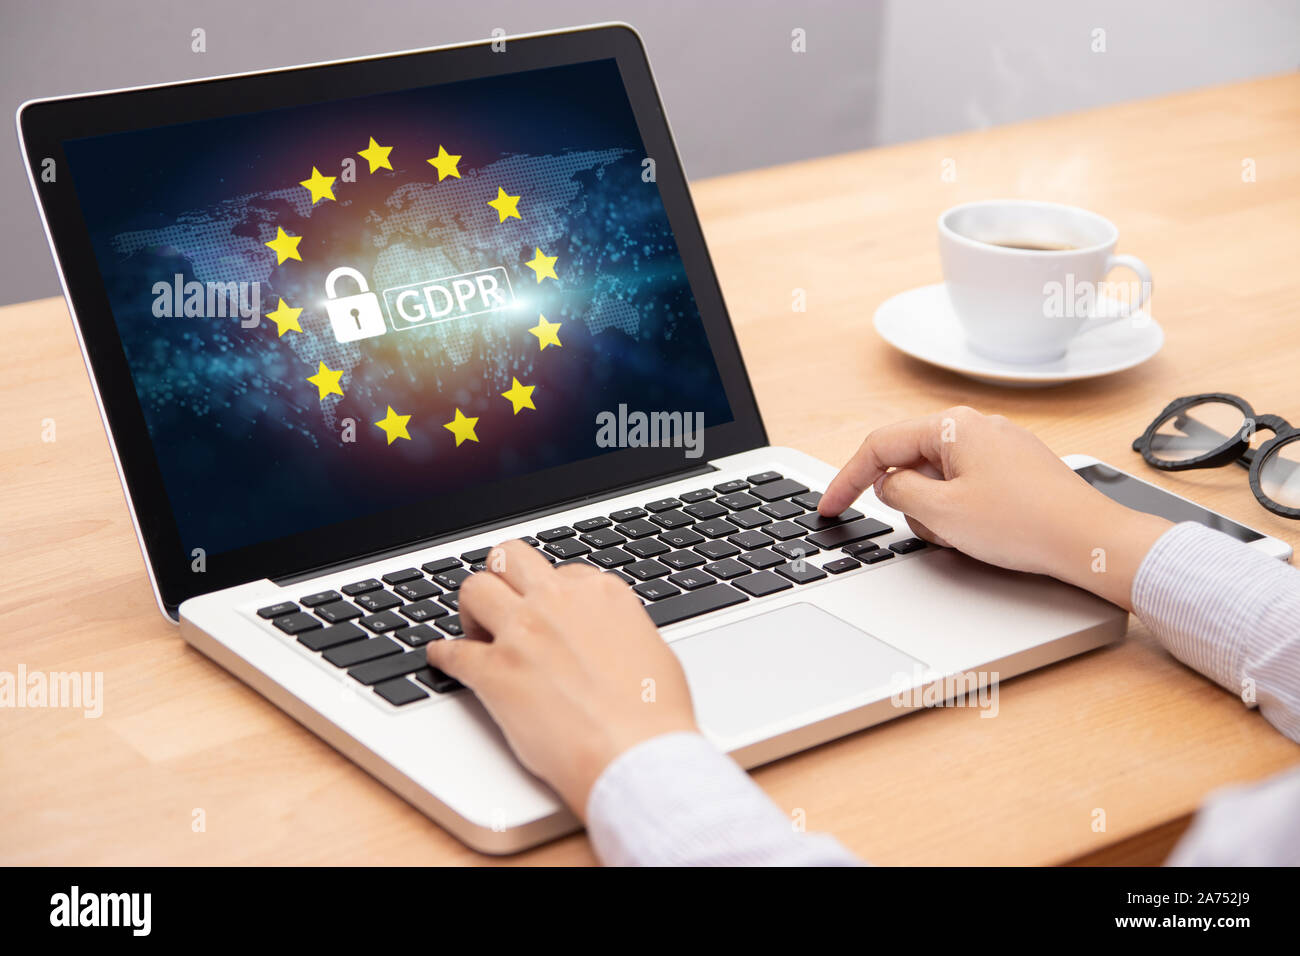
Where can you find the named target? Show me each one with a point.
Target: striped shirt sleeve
(1230, 612)
(676, 800)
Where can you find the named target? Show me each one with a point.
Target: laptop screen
(338, 310)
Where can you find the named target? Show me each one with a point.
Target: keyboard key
(425, 610)
(451, 580)
(477, 556)
(636, 528)
(717, 550)
(451, 625)
(840, 565)
(694, 603)
(452, 598)
(716, 528)
(763, 477)
(785, 530)
(738, 501)
(386, 668)
(727, 569)
(379, 600)
(591, 524)
(361, 587)
(808, 500)
(700, 494)
(383, 621)
(417, 635)
(283, 609)
(762, 558)
(656, 590)
(400, 691)
(874, 555)
(749, 540)
(781, 509)
(672, 519)
(319, 598)
(844, 534)
(801, 572)
(358, 652)
(762, 583)
(621, 576)
(297, 622)
(338, 611)
(727, 487)
(324, 639)
(645, 570)
(692, 580)
(646, 547)
(704, 510)
(784, 488)
(749, 519)
(663, 504)
(681, 560)
(442, 564)
(438, 681)
(583, 561)
(555, 534)
(611, 558)
(568, 548)
(794, 550)
(628, 514)
(815, 521)
(602, 538)
(907, 545)
(418, 590)
(530, 541)
(681, 537)
(406, 574)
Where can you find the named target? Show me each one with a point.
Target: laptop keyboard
(703, 551)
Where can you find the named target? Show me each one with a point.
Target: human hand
(567, 663)
(993, 490)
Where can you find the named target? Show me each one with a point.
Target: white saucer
(921, 323)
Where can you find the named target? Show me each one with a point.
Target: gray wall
(875, 71)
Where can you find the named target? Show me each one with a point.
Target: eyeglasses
(1215, 429)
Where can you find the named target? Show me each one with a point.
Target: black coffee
(1033, 245)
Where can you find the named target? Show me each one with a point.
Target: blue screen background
(248, 450)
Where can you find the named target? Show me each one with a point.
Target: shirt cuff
(675, 800)
(1203, 593)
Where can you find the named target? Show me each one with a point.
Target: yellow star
(548, 333)
(462, 428)
(544, 266)
(394, 425)
(285, 246)
(285, 318)
(445, 164)
(506, 206)
(521, 396)
(322, 187)
(327, 380)
(376, 155)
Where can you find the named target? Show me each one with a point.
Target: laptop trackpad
(795, 661)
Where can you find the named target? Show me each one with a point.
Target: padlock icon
(353, 317)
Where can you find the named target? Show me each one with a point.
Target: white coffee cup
(1025, 305)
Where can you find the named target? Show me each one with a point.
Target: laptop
(351, 324)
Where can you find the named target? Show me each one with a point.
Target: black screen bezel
(45, 125)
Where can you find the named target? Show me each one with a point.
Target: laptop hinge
(488, 526)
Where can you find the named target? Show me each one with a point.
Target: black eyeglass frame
(1235, 449)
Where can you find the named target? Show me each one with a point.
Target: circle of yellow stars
(327, 380)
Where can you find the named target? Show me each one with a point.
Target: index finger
(519, 565)
(891, 446)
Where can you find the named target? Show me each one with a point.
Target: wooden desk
(1125, 729)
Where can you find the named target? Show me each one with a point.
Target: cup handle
(1124, 311)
